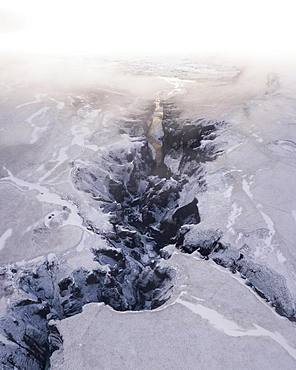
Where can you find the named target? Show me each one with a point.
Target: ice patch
(61, 158)
(233, 148)
(45, 195)
(178, 85)
(36, 133)
(59, 104)
(246, 188)
(235, 213)
(38, 99)
(227, 194)
(37, 129)
(258, 138)
(231, 328)
(281, 258)
(82, 129)
(266, 218)
(294, 214)
(3, 238)
(40, 112)
(269, 223)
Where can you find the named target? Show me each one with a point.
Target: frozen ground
(204, 326)
(50, 128)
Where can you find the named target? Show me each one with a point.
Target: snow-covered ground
(212, 320)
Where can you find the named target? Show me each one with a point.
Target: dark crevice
(142, 198)
(267, 283)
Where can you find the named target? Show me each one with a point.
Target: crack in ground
(141, 193)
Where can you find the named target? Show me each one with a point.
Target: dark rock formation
(146, 216)
(146, 213)
(267, 283)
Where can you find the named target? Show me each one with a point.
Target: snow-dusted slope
(168, 189)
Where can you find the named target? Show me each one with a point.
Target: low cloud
(11, 22)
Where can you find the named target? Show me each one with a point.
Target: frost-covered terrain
(147, 215)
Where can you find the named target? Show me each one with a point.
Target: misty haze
(147, 197)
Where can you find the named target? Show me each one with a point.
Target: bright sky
(153, 26)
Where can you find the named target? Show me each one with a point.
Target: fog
(147, 162)
(262, 29)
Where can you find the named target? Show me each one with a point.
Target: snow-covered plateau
(148, 215)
